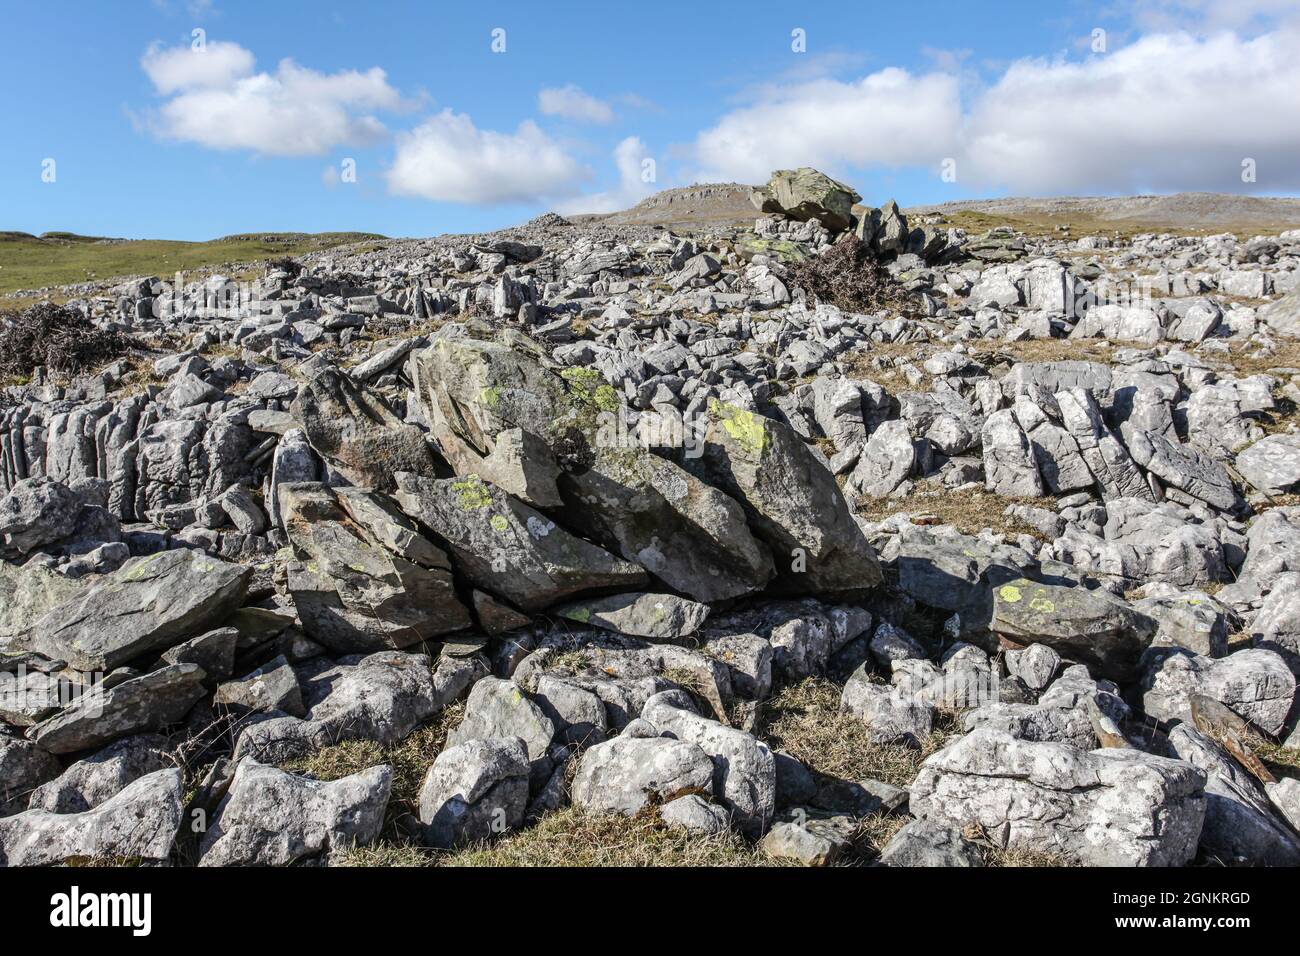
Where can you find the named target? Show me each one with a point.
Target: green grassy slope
(60, 258)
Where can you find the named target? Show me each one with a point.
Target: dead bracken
(60, 339)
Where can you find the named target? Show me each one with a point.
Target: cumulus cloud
(1168, 112)
(572, 103)
(448, 158)
(889, 118)
(216, 99)
(630, 157)
(219, 64)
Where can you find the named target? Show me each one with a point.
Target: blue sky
(592, 105)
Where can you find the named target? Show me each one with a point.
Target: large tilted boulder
(138, 824)
(479, 396)
(792, 502)
(353, 429)
(148, 605)
(367, 578)
(1096, 808)
(497, 411)
(508, 548)
(273, 818)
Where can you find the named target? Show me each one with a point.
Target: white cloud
(448, 158)
(219, 64)
(216, 100)
(1169, 112)
(572, 103)
(1210, 15)
(630, 157)
(889, 118)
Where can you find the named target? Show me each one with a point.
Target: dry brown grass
(1249, 360)
(575, 837)
(1281, 761)
(990, 354)
(970, 512)
(409, 759)
(1040, 224)
(805, 721)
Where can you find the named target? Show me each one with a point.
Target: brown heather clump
(61, 339)
(849, 277)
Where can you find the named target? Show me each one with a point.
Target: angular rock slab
(1240, 825)
(353, 429)
(1272, 464)
(272, 818)
(381, 697)
(1095, 808)
(508, 548)
(27, 592)
(792, 502)
(139, 823)
(369, 580)
(143, 703)
(654, 616)
(101, 776)
(147, 605)
(1104, 632)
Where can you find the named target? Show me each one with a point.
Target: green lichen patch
(590, 386)
(472, 493)
(746, 428)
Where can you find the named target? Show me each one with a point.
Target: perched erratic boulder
(805, 193)
(145, 703)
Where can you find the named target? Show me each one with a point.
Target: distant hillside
(64, 258)
(700, 206)
(1179, 212)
